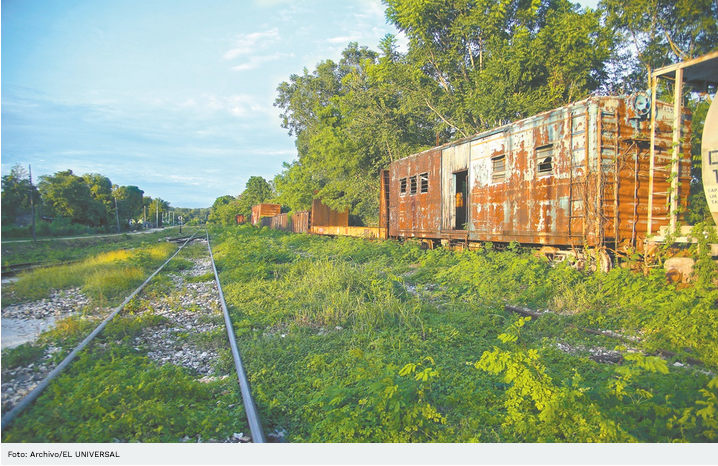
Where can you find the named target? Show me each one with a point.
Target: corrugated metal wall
(325, 216)
(571, 176)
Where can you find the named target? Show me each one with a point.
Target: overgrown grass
(21, 355)
(113, 392)
(124, 396)
(53, 251)
(105, 277)
(348, 340)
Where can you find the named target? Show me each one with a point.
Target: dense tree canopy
(660, 32)
(129, 202)
(90, 200)
(256, 191)
(68, 195)
(471, 65)
(226, 208)
(16, 192)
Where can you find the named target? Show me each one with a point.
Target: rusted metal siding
(280, 222)
(384, 200)
(300, 221)
(264, 210)
(573, 176)
(323, 215)
(415, 214)
(359, 232)
(633, 165)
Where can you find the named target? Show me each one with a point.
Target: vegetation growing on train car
(340, 335)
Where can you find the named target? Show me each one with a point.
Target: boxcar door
(454, 185)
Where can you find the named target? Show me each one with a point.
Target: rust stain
(571, 176)
(264, 210)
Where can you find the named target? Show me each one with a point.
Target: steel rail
(255, 425)
(8, 418)
(14, 269)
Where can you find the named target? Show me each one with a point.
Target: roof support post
(654, 84)
(675, 162)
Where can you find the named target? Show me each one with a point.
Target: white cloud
(342, 39)
(373, 9)
(246, 44)
(257, 61)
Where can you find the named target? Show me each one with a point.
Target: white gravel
(190, 309)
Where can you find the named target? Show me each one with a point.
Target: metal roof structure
(698, 73)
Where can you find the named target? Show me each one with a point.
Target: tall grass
(104, 277)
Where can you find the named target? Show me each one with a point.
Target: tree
(349, 123)
(101, 191)
(256, 191)
(661, 32)
(224, 211)
(68, 195)
(220, 213)
(129, 202)
(155, 209)
(491, 61)
(16, 192)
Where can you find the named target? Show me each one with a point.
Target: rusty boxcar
(570, 177)
(264, 210)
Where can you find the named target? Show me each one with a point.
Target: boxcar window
(402, 186)
(498, 168)
(413, 185)
(424, 177)
(544, 159)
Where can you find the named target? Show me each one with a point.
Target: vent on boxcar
(402, 186)
(413, 185)
(498, 168)
(544, 159)
(424, 177)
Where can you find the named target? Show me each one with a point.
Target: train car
(264, 210)
(328, 221)
(571, 177)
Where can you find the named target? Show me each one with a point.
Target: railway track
(14, 269)
(167, 345)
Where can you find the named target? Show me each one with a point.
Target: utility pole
(157, 212)
(32, 207)
(144, 217)
(117, 217)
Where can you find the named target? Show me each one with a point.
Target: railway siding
(170, 363)
(192, 330)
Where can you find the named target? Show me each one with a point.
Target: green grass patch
(106, 277)
(127, 397)
(22, 355)
(347, 340)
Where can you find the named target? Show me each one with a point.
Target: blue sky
(172, 96)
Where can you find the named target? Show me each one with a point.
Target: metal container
(264, 210)
(323, 215)
(280, 222)
(574, 176)
(300, 221)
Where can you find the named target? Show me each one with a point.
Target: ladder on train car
(577, 186)
(384, 206)
(608, 177)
